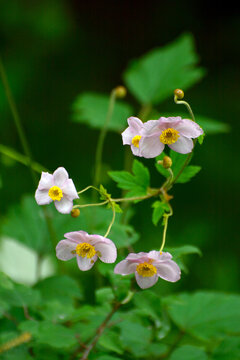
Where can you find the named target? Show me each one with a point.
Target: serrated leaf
(91, 109)
(206, 315)
(188, 173)
(110, 341)
(158, 210)
(153, 77)
(136, 183)
(188, 352)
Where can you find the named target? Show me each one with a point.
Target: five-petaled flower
(56, 187)
(86, 248)
(148, 267)
(149, 139)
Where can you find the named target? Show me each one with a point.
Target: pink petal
(69, 190)
(183, 145)
(146, 282)
(107, 249)
(127, 136)
(60, 176)
(85, 263)
(152, 127)
(189, 129)
(135, 124)
(168, 270)
(170, 122)
(64, 250)
(46, 181)
(159, 257)
(77, 236)
(139, 257)
(64, 206)
(151, 146)
(125, 267)
(42, 197)
(136, 150)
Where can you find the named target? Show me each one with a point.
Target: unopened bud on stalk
(120, 91)
(166, 162)
(179, 93)
(75, 213)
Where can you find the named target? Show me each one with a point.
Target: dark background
(54, 50)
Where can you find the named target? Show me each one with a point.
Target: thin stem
(17, 119)
(88, 187)
(99, 150)
(87, 205)
(179, 102)
(112, 222)
(166, 216)
(99, 331)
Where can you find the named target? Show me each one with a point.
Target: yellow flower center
(55, 193)
(169, 136)
(85, 249)
(135, 140)
(146, 270)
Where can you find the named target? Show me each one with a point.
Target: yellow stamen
(169, 136)
(146, 270)
(85, 249)
(55, 193)
(135, 140)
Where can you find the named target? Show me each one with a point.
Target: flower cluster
(149, 139)
(146, 140)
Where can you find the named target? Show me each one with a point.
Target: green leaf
(149, 303)
(229, 348)
(59, 287)
(92, 108)
(136, 183)
(177, 252)
(188, 173)
(18, 295)
(188, 352)
(178, 161)
(26, 224)
(104, 294)
(206, 315)
(158, 210)
(54, 335)
(154, 77)
(110, 341)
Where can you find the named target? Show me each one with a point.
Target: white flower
(56, 187)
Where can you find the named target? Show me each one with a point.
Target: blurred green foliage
(54, 80)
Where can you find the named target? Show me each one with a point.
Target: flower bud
(75, 213)
(167, 162)
(120, 91)
(179, 93)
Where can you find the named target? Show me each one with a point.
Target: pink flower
(133, 134)
(56, 187)
(86, 248)
(149, 139)
(148, 267)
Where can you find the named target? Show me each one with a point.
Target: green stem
(112, 222)
(99, 150)
(17, 120)
(166, 216)
(179, 102)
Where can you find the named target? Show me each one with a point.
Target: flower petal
(108, 252)
(42, 197)
(85, 263)
(151, 146)
(127, 136)
(46, 181)
(125, 267)
(183, 145)
(60, 176)
(77, 236)
(69, 190)
(64, 206)
(168, 270)
(64, 250)
(189, 128)
(146, 282)
(155, 255)
(136, 150)
(169, 122)
(135, 124)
